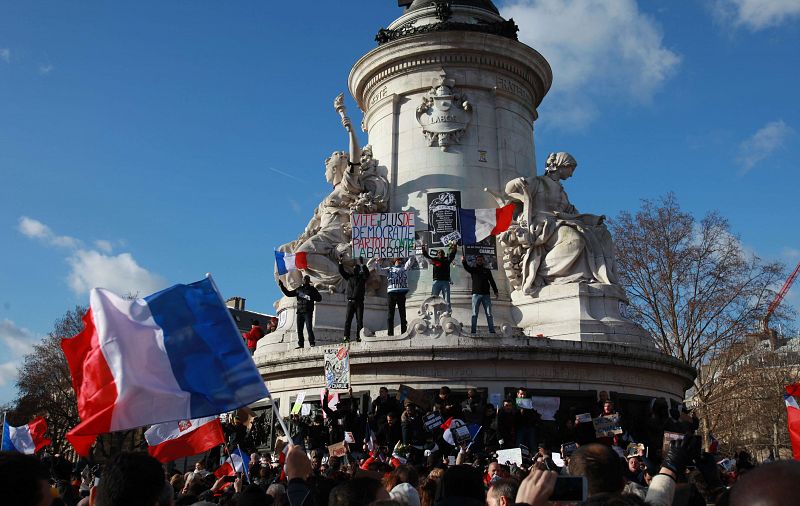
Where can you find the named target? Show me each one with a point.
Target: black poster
(443, 217)
(487, 248)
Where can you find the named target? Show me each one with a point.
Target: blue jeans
(441, 287)
(486, 301)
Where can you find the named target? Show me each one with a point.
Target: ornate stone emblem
(444, 114)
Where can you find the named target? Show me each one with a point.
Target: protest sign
(298, 403)
(583, 418)
(461, 434)
(568, 449)
(635, 449)
(546, 406)
(337, 449)
(487, 248)
(510, 456)
(337, 369)
(432, 421)
(557, 460)
(333, 400)
(305, 410)
(348, 437)
(727, 465)
(443, 217)
(668, 438)
(496, 399)
(451, 460)
(383, 235)
(606, 426)
(419, 398)
(524, 403)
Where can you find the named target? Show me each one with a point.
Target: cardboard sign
(510, 456)
(298, 403)
(669, 437)
(583, 418)
(546, 406)
(383, 235)
(524, 403)
(419, 398)
(337, 369)
(337, 449)
(605, 426)
(349, 438)
(432, 421)
(461, 434)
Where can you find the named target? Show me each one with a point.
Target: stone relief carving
(444, 114)
(434, 319)
(357, 188)
(551, 242)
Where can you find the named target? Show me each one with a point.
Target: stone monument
(449, 100)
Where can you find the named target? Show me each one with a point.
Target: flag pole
(280, 420)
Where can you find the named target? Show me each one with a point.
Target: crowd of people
(393, 455)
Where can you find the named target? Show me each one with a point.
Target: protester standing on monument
(397, 279)
(306, 295)
(482, 280)
(252, 336)
(441, 271)
(356, 289)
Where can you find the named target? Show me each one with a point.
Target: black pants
(354, 307)
(307, 320)
(396, 299)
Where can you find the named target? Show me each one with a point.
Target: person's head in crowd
(411, 408)
(634, 464)
(608, 408)
(24, 480)
(383, 393)
(461, 484)
(427, 492)
(489, 410)
(502, 492)
(440, 253)
(199, 466)
(306, 280)
(318, 420)
(444, 392)
(402, 474)
(660, 409)
(316, 461)
(472, 393)
(436, 473)
(479, 260)
(600, 465)
(495, 471)
(357, 492)
(391, 419)
(602, 396)
(129, 479)
(276, 489)
(508, 406)
(522, 392)
(770, 484)
(541, 450)
(405, 494)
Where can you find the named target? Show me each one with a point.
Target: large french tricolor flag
(286, 262)
(27, 439)
(174, 440)
(175, 355)
(478, 224)
(793, 417)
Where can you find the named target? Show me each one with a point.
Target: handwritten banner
(383, 235)
(337, 369)
(337, 449)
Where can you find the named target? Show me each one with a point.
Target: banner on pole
(383, 235)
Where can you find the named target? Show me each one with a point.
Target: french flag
(27, 439)
(290, 261)
(175, 355)
(478, 224)
(174, 440)
(793, 418)
(237, 462)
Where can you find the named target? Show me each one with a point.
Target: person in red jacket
(253, 335)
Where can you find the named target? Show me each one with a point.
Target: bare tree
(695, 288)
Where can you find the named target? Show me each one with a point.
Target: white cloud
(762, 144)
(5, 54)
(118, 273)
(92, 268)
(35, 229)
(17, 339)
(597, 49)
(756, 15)
(45, 68)
(791, 254)
(8, 373)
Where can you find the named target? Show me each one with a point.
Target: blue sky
(148, 143)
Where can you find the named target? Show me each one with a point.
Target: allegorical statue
(551, 242)
(357, 188)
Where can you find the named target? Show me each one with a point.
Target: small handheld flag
(286, 262)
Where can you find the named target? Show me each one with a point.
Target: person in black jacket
(482, 279)
(356, 288)
(441, 271)
(306, 295)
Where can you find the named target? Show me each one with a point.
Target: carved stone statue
(551, 242)
(357, 188)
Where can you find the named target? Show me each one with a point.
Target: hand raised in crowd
(537, 488)
(297, 464)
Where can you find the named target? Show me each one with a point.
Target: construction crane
(777, 301)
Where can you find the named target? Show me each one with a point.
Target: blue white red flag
(175, 355)
(478, 224)
(174, 440)
(237, 462)
(28, 439)
(286, 262)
